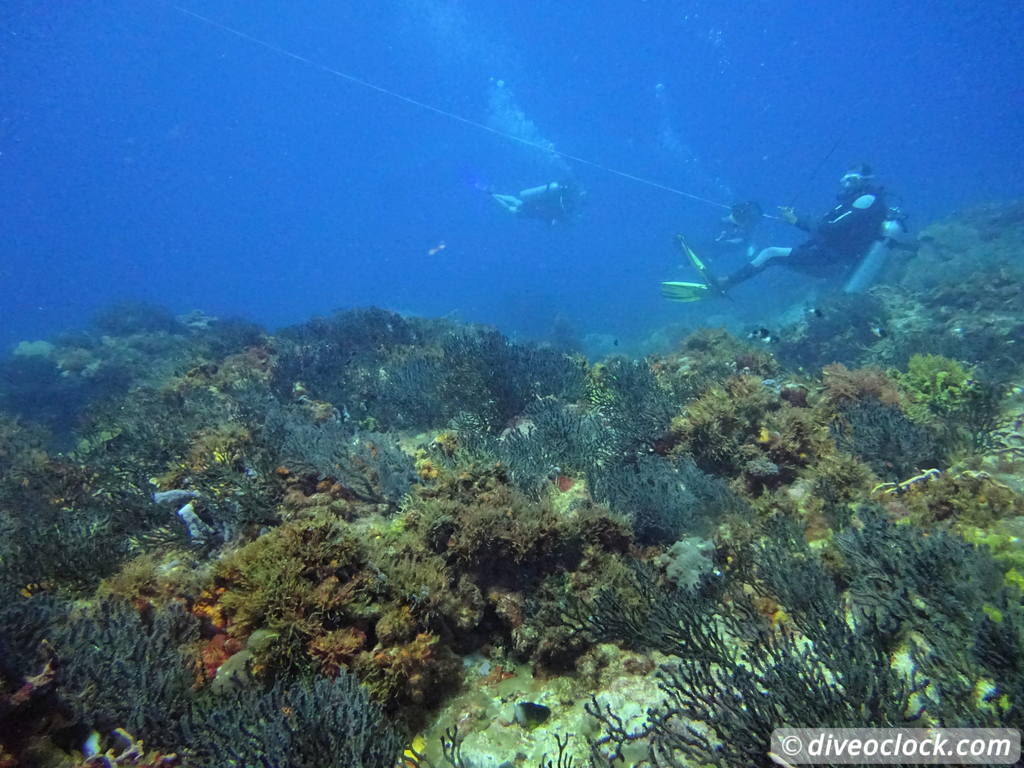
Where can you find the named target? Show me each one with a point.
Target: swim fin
(705, 272)
(674, 291)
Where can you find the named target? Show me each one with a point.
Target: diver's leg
(769, 254)
(510, 203)
(754, 266)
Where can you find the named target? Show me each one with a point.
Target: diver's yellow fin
(702, 269)
(699, 265)
(674, 291)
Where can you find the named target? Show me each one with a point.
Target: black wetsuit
(552, 206)
(841, 237)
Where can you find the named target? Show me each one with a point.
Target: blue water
(147, 154)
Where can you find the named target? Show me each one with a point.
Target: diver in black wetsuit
(553, 202)
(839, 240)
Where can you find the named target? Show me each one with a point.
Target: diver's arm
(790, 216)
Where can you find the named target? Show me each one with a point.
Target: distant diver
(739, 224)
(554, 202)
(851, 241)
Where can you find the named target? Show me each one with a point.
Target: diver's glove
(788, 214)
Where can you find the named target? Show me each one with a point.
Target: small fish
(530, 715)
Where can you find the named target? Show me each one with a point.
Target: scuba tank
(544, 190)
(872, 263)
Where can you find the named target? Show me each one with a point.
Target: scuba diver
(552, 202)
(739, 224)
(852, 239)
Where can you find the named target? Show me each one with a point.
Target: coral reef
(735, 676)
(708, 356)
(936, 387)
(220, 546)
(123, 668)
(299, 581)
(327, 724)
(886, 439)
(664, 498)
(957, 248)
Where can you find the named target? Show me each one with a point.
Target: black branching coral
(898, 650)
(329, 723)
(370, 466)
(119, 668)
(387, 372)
